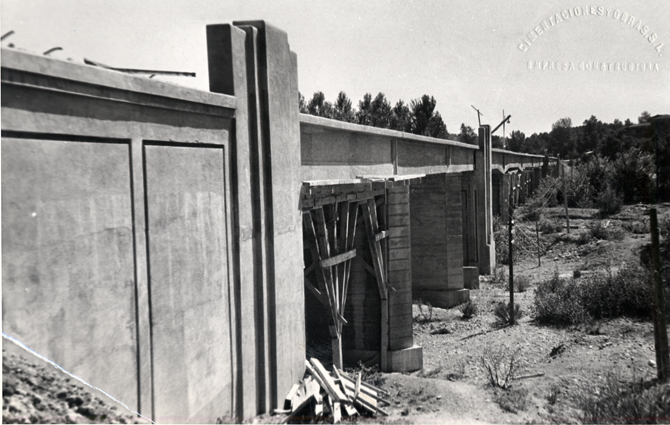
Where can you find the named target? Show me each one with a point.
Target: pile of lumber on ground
(324, 395)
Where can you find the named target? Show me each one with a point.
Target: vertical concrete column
(402, 354)
(485, 243)
(228, 75)
(437, 244)
(496, 182)
(399, 269)
(280, 147)
(505, 188)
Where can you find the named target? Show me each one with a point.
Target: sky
(461, 52)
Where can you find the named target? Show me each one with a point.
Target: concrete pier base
(471, 277)
(443, 298)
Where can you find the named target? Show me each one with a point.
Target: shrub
(430, 373)
(598, 171)
(580, 191)
(500, 365)
(499, 277)
(598, 230)
(567, 302)
(632, 173)
(458, 373)
(512, 400)
(369, 374)
(552, 397)
(521, 283)
(584, 238)
(549, 226)
(547, 192)
(616, 401)
(425, 311)
(502, 313)
(609, 201)
(637, 227)
(625, 293)
(557, 302)
(468, 309)
(502, 246)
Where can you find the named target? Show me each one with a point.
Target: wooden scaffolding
(331, 210)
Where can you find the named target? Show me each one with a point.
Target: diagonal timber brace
(331, 231)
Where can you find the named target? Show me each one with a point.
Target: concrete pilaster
(227, 47)
(280, 147)
(486, 244)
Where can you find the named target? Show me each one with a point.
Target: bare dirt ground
(560, 361)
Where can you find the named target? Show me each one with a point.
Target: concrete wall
(152, 233)
(97, 182)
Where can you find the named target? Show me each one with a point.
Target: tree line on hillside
(417, 117)
(593, 136)
(614, 163)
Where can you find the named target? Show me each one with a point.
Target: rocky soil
(33, 392)
(557, 363)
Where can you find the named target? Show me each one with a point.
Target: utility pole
(479, 116)
(565, 195)
(504, 138)
(658, 304)
(510, 249)
(658, 301)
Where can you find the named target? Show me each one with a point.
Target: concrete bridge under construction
(182, 249)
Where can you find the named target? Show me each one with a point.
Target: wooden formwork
(331, 211)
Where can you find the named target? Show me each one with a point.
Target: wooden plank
(366, 385)
(372, 395)
(324, 252)
(316, 376)
(289, 397)
(309, 269)
(357, 389)
(331, 388)
(368, 267)
(371, 407)
(351, 410)
(338, 381)
(385, 334)
(372, 228)
(318, 294)
(340, 258)
(337, 412)
(381, 235)
(350, 242)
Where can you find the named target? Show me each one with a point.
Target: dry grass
(500, 365)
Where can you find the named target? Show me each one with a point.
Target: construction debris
(324, 395)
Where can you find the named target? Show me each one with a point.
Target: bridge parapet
(333, 149)
(504, 160)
